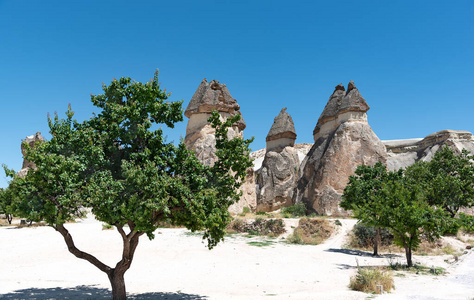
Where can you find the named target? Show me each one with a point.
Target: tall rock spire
(343, 140)
(341, 107)
(282, 133)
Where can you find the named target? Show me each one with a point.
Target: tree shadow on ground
(90, 292)
(361, 253)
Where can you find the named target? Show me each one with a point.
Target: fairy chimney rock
(342, 106)
(282, 133)
(343, 140)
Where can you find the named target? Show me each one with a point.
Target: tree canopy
(394, 201)
(119, 165)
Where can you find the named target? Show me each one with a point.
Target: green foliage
(261, 213)
(466, 222)
(390, 200)
(118, 164)
(297, 210)
(338, 223)
(245, 210)
(447, 181)
(365, 236)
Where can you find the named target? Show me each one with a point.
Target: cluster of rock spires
(316, 174)
(31, 141)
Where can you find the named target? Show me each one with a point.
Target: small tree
(388, 199)
(119, 165)
(5, 204)
(363, 193)
(406, 213)
(447, 180)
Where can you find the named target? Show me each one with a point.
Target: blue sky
(411, 60)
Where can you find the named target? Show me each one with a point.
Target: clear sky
(411, 60)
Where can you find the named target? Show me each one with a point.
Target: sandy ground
(177, 265)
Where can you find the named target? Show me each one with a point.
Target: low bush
(363, 236)
(466, 222)
(297, 210)
(367, 279)
(260, 226)
(311, 232)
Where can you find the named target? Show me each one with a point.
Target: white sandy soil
(177, 265)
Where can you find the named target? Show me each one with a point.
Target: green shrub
(365, 235)
(367, 279)
(245, 210)
(338, 223)
(261, 213)
(466, 222)
(297, 210)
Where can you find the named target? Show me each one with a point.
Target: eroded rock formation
(343, 140)
(200, 136)
(30, 140)
(403, 153)
(276, 178)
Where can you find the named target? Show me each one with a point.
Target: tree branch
(78, 253)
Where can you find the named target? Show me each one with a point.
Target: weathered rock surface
(276, 178)
(403, 153)
(200, 136)
(31, 140)
(343, 140)
(282, 133)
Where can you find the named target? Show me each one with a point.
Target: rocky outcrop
(343, 140)
(31, 141)
(403, 153)
(200, 136)
(276, 178)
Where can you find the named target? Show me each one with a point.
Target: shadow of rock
(90, 292)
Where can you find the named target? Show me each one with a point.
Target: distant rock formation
(343, 140)
(200, 136)
(276, 178)
(403, 153)
(30, 140)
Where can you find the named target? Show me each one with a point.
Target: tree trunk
(377, 241)
(9, 218)
(408, 255)
(117, 282)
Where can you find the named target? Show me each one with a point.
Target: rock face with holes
(200, 136)
(343, 140)
(276, 178)
(31, 141)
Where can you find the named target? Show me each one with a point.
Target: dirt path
(177, 265)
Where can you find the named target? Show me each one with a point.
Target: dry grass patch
(259, 226)
(367, 279)
(311, 231)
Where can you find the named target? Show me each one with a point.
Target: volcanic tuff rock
(403, 153)
(30, 140)
(276, 178)
(282, 133)
(343, 140)
(200, 136)
(199, 133)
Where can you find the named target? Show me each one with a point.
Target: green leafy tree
(119, 165)
(363, 194)
(406, 213)
(387, 199)
(5, 204)
(447, 180)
